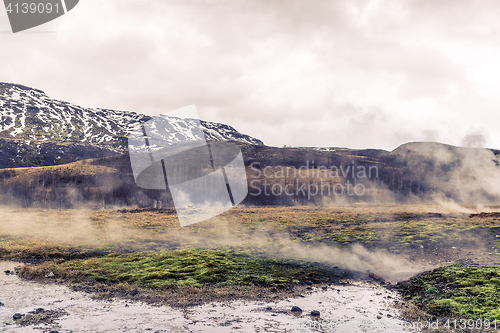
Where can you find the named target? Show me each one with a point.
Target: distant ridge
(37, 130)
(429, 147)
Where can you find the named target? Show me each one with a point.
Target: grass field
(263, 252)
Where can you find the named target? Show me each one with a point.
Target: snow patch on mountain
(29, 114)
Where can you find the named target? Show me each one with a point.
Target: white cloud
(341, 73)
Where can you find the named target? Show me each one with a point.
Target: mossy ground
(194, 267)
(377, 228)
(414, 231)
(457, 291)
(197, 274)
(391, 227)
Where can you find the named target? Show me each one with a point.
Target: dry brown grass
(262, 230)
(80, 168)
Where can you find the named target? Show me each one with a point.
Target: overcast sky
(359, 74)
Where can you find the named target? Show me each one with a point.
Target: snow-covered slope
(28, 114)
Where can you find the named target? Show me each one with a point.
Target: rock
(484, 214)
(309, 283)
(376, 277)
(49, 275)
(17, 316)
(39, 310)
(1, 304)
(315, 313)
(497, 236)
(309, 288)
(54, 331)
(421, 246)
(7, 272)
(269, 308)
(379, 317)
(389, 315)
(296, 309)
(134, 292)
(324, 287)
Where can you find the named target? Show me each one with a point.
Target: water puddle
(359, 307)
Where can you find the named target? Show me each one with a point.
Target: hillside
(79, 156)
(36, 130)
(397, 176)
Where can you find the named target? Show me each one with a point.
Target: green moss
(400, 229)
(457, 290)
(194, 268)
(361, 234)
(283, 224)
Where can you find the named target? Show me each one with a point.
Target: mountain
(38, 130)
(414, 172)
(80, 155)
(439, 149)
(459, 173)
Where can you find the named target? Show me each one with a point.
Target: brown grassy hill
(276, 176)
